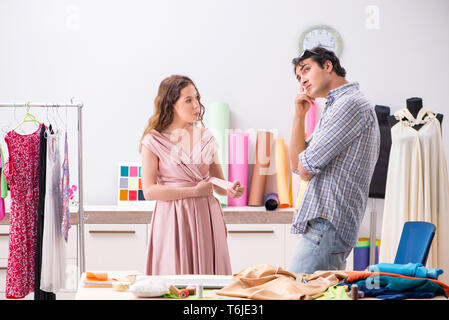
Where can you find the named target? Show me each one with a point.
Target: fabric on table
(335, 293)
(409, 269)
(354, 276)
(265, 282)
(388, 294)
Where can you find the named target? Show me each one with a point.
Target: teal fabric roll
(409, 269)
(217, 120)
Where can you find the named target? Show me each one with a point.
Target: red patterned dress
(22, 174)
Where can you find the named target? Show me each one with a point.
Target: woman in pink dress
(188, 232)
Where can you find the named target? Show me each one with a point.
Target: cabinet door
(251, 244)
(290, 245)
(115, 247)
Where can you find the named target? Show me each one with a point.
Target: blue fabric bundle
(409, 269)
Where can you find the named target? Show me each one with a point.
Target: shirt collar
(334, 93)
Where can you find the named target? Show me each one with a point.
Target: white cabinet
(115, 247)
(290, 245)
(251, 244)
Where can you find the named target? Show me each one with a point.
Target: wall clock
(323, 36)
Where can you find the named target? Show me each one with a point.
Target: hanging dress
(38, 293)
(187, 236)
(417, 186)
(53, 248)
(22, 174)
(65, 223)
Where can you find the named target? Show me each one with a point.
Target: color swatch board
(130, 184)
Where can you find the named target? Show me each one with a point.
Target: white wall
(112, 55)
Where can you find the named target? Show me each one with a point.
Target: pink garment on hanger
(2, 201)
(22, 174)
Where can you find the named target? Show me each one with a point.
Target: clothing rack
(81, 218)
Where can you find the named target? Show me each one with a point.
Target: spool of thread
(179, 293)
(354, 292)
(272, 202)
(191, 289)
(199, 291)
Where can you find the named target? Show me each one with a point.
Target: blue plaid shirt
(341, 153)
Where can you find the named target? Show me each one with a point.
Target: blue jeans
(319, 248)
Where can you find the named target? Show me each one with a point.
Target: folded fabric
(224, 184)
(388, 294)
(265, 282)
(409, 269)
(354, 276)
(96, 276)
(335, 293)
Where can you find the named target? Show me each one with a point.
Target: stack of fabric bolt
(398, 281)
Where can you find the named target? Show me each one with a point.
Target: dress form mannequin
(378, 181)
(414, 105)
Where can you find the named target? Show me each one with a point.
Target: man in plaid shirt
(336, 163)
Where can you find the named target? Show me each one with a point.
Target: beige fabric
(417, 187)
(265, 282)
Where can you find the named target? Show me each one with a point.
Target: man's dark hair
(320, 56)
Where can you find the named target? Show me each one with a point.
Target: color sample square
(132, 195)
(133, 183)
(139, 172)
(133, 171)
(123, 195)
(140, 184)
(123, 183)
(140, 195)
(124, 171)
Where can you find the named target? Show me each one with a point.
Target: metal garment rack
(79, 107)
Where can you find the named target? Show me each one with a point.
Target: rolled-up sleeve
(344, 124)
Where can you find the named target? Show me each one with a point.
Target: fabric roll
(296, 181)
(311, 119)
(260, 169)
(238, 165)
(272, 202)
(217, 119)
(281, 173)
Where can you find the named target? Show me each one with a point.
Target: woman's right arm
(154, 191)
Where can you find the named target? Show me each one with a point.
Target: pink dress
(22, 174)
(187, 236)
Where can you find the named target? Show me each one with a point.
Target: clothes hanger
(59, 121)
(28, 117)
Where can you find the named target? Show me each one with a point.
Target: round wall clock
(323, 36)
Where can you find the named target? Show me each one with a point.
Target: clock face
(321, 36)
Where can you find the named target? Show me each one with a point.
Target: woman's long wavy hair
(168, 93)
